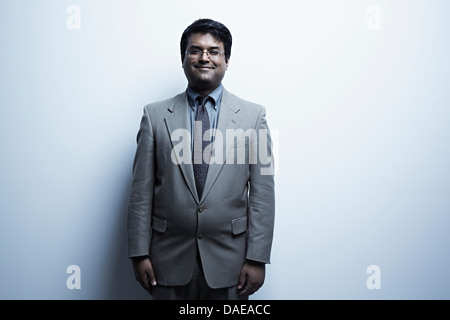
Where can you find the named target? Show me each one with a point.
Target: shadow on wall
(120, 281)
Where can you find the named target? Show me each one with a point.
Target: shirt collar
(216, 95)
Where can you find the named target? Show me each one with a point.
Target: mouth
(204, 67)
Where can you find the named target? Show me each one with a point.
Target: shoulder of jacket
(161, 105)
(238, 101)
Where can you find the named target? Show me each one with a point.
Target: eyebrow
(198, 47)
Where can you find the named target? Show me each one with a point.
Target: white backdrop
(357, 91)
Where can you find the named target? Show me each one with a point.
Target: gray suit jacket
(233, 220)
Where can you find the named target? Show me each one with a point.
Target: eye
(214, 52)
(194, 52)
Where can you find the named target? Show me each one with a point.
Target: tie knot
(202, 99)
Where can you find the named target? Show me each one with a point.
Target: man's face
(204, 73)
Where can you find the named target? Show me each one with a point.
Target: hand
(252, 277)
(143, 271)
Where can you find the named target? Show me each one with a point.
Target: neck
(204, 90)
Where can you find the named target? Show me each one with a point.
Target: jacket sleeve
(141, 193)
(261, 208)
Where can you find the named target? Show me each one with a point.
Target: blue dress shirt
(212, 106)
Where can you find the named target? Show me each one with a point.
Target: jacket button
(200, 209)
(199, 235)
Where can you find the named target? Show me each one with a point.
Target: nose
(202, 56)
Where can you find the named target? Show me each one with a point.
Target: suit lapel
(228, 119)
(177, 118)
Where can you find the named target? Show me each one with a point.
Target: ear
(227, 63)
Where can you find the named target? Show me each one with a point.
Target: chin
(204, 80)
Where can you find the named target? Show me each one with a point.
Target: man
(201, 208)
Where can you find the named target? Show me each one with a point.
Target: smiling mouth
(203, 67)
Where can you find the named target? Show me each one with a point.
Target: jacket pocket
(239, 225)
(159, 224)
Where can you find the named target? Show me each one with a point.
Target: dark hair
(204, 26)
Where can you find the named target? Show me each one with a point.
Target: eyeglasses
(197, 53)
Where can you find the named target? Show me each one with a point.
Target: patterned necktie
(201, 161)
